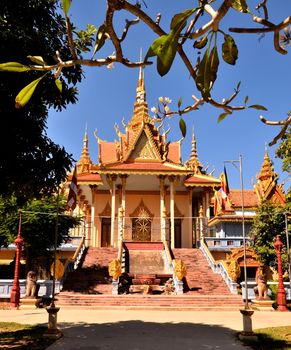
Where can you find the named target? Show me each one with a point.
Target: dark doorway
(105, 232)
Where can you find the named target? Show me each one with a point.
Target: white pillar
(93, 238)
(190, 221)
(172, 213)
(207, 205)
(123, 202)
(113, 195)
(162, 208)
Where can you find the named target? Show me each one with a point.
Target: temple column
(123, 184)
(190, 220)
(207, 205)
(162, 208)
(93, 238)
(113, 198)
(172, 211)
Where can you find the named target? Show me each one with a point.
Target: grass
(23, 337)
(273, 338)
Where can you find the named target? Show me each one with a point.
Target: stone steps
(170, 302)
(200, 278)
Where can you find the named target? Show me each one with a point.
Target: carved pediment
(142, 212)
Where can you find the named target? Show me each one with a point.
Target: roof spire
(140, 91)
(194, 163)
(84, 163)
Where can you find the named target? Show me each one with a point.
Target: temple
(140, 190)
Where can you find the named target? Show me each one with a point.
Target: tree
(269, 222)
(200, 26)
(31, 164)
(38, 225)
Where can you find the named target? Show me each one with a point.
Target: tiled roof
(143, 167)
(86, 178)
(250, 198)
(107, 151)
(174, 152)
(201, 179)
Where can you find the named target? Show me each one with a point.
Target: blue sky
(106, 96)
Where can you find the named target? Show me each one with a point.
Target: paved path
(142, 329)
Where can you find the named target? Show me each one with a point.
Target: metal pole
(288, 251)
(55, 249)
(243, 231)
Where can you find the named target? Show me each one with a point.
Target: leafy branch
(165, 48)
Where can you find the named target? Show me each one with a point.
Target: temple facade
(140, 190)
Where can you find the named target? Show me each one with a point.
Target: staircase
(200, 278)
(92, 277)
(90, 286)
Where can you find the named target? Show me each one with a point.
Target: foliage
(31, 164)
(200, 28)
(284, 150)
(269, 222)
(38, 223)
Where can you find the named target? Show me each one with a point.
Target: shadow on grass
(23, 337)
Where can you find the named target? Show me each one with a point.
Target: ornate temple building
(140, 190)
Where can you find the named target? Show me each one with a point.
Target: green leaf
(37, 59)
(183, 127)
(25, 94)
(214, 63)
(199, 44)
(246, 99)
(259, 107)
(222, 116)
(155, 46)
(66, 6)
(203, 76)
(229, 50)
(14, 67)
(165, 47)
(59, 84)
(238, 85)
(179, 20)
(180, 102)
(240, 6)
(101, 37)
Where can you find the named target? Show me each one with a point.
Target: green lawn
(22, 337)
(273, 338)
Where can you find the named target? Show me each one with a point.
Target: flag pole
(234, 163)
(243, 231)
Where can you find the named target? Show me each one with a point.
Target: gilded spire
(194, 163)
(140, 110)
(140, 90)
(267, 170)
(85, 163)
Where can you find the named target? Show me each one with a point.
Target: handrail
(218, 267)
(168, 256)
(120, 251)
(72, 263)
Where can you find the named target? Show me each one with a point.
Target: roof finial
(194, 163)
(85, 162)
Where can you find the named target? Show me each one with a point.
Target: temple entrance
(141, 229)
(178, 235)
(105, 232)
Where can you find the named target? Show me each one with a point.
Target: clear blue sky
(106, 96)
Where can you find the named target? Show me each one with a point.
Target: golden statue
(233, 270)
(114, 269)
(180, 269)
(59, 269)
